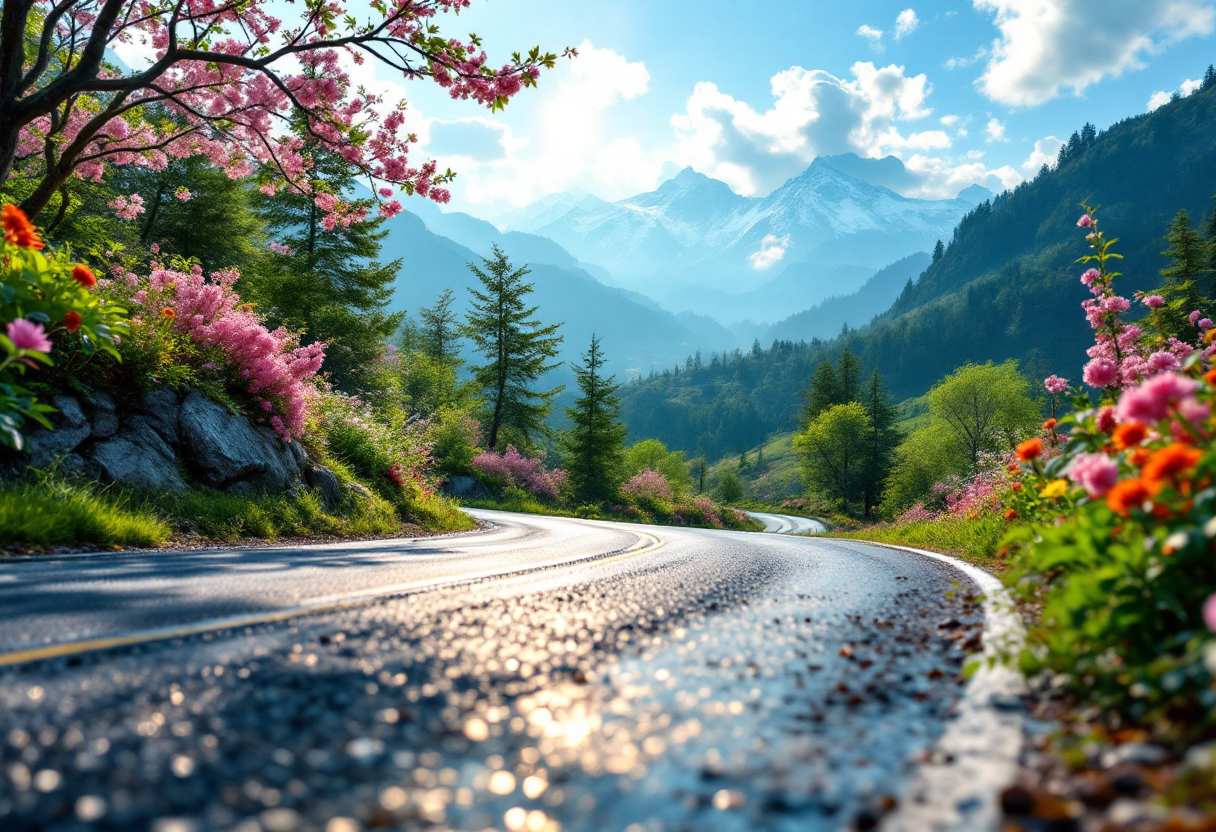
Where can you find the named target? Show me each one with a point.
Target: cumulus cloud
(772, 249)
(1158, 99)
(995, 131)
(572, 141)
(1046, 151)
(1047, 46)
(813, 113)
(944, 178)
(906, 23)
(1163, 97)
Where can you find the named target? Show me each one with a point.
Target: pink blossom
(183, 194)
(1194, 411)
(1055, 384)
(1096, 473)
(1163, 361)
(1209, 613)
(127, 207)
(28, 335)
(520, 472)
(1101, 372)
(1115, 303)
(1085, 222)
(1154, 301)
(1194, 316)
(1205, 323)
(1151, 401)
(648, 484)
(1106, 419)
(1090, 277)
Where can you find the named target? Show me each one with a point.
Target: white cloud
(906, 23)
(813, 113)
(772, 249)
(573, 141)
(949, 121)
(962, 63)
(1045, 153)
(995, 131)
(1047, 46)
(874, 36)
(1163, 97)
(1158, 99)
(944, 178)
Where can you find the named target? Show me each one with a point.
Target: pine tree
(1089, 135)
(883, 438)
(939, 251)
(517, 349)
(596, 442)
(1209, 78)
(439, 330)
(1190, 255)
(849, 372)
(823, 393)
(334, 287)
(699, 469)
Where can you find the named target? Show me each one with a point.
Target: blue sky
(963, 91)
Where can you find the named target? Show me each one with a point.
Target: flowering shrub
(1120, 548)
(648, 485)
(514, 470)
(269, 366)
(46, 300)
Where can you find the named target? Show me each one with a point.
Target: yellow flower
(1054, 489)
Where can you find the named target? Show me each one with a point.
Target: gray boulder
(227, 452)
(326, 482)
(138, 457)
(160, 406)
(71, 429)
(105, 416)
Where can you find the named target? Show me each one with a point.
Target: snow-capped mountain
(693, 231)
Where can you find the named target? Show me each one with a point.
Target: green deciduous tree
(595, 444)
(834, 449)
(984, 407)
(653, 454)
(728, 488)
(517, 349)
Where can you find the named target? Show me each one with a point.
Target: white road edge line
(958, 789)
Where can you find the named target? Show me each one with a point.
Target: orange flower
(1210, 377)
(1129, 434)
(83, 275)
(168, 313)
(1017, 486)
(1030, 449)
(1050, 425)
(1169, 463)
(1126, 496)
(71, 320)
(1011, 515)
(1139, 456)
(18, 230)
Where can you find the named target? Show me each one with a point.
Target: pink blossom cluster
(519, 471)
(648, 484)
(271, 366)
(127, 207)
(918, 514)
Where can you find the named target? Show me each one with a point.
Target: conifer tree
(883, 439)
(823, 393)
(595, 444)
(1209, 77)
(939, 251)
(439, 331)
(849, 372)
(517, 349)
(1190, 255)
(332, 286)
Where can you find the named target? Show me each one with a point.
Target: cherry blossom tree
(228, 80)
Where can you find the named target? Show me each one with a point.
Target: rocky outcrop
(167, 441)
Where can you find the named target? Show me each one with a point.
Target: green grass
(975, 541)
(48, 512)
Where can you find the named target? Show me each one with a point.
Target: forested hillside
(1006, 286)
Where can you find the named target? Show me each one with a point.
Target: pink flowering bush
(649, 486)
(269, 367)
(514, 470)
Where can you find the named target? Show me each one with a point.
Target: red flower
(1011, 515)
(71, 320)
(18, 230)
(1050, 424)
(168, 313)
(83, 275)
(1017, 486)
(1030, 449)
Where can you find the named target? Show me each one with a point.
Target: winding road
(541, 674)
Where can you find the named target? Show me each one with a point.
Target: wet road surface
(692, 680)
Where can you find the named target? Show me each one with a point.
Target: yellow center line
(645, 544)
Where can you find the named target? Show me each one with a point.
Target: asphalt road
(548, 674)
(788, 524)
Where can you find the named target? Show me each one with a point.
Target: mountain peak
(976, 194)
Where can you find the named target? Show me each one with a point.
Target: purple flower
(27, 335)
(1194, 316)
(1205, 323)
(1055, 384)
(1085, 222)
